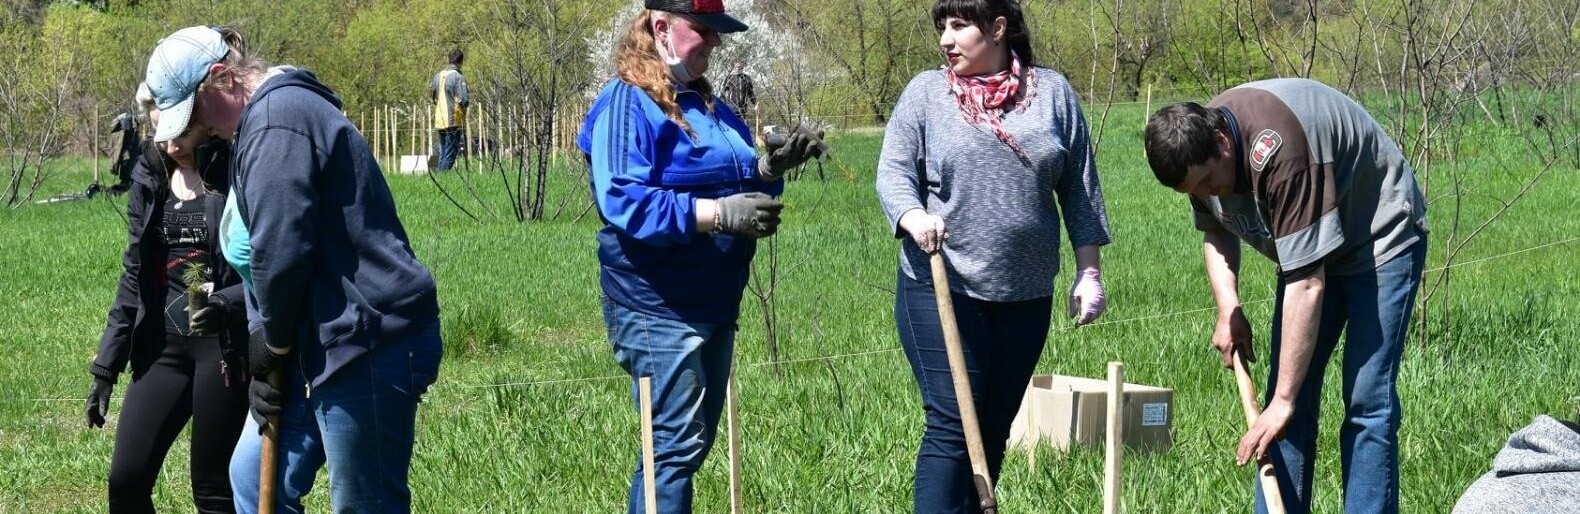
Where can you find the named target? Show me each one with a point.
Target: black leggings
(184, 383)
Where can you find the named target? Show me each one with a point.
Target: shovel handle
(268, 456)
(1264, 467)
(957, 371)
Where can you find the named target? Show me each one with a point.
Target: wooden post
(1147, 113)
(649, 483)
(1116, 437)
(96, 142)
(413, 136)
(376, 129)
(1264, 468)
(472, 120)
(732, 427)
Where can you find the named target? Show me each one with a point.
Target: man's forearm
(1222, 252)
(1302, 314)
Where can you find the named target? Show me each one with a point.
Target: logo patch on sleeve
(1263, 148)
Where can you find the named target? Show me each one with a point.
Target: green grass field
(521, 306)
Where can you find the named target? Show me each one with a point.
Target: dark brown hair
(982, 13)
(1180, 136)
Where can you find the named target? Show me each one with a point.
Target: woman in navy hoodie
(339, 303)
(184, 364)
(683, 197)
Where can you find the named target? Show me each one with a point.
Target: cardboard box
(1059, 410)
(414, 164)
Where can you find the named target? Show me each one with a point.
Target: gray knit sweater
(1538, 471)
(1001, 214)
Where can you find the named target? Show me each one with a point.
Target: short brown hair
(1180, 136)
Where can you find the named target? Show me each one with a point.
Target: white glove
(1087, 298)
(926, 229)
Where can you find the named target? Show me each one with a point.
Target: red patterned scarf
(983, 98)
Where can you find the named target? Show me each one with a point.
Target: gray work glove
(99, 401)
(783, 153)
(753, 215)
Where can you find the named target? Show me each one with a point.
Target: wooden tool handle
(957, 371)
(268, 455)
(1248, 404)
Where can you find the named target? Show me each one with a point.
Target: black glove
(785, 153)
(210, 319)
(752, 215)
(261, 358)
(99, 401)
(265, 401)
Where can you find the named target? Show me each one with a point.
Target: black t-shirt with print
(186, 241)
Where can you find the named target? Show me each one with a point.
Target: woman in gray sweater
(980, 160)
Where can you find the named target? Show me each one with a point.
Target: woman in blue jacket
(683, 197)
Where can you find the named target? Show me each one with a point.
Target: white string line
(892, 350)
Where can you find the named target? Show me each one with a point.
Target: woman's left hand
(1088, 300)
(784, 153)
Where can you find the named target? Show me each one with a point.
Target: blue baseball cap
(178, 65)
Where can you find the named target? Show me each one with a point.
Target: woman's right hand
(99, 401)
(925, 229)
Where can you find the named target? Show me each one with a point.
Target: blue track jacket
(647, 174)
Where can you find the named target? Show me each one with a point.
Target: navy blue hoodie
(332, 270)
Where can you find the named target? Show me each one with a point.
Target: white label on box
(1154, 414)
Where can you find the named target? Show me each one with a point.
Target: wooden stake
(732, 427)
(1264, 468)
(96, 143)
(377, 129)
(649, 483)
(1116, 438)
(962, 380)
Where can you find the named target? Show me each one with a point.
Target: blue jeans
(361, 422)
(1001, 342)
(689, 365)
(1375, 307)
(449, 143)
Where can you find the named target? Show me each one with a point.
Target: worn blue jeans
(1375, 309)
(361, 422)
(1001, 342)
(449, 143)
(689, 366)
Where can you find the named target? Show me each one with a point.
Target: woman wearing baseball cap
(684, 196)
(338, 302)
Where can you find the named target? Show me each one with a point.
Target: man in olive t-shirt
(1303, 174)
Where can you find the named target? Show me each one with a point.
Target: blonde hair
(239, 63)
(637, 60)
(145, 102)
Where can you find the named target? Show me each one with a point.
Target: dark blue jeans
(449, 143)
(1002, 341)
(362, 422)
(689, 366)
(1375, 309)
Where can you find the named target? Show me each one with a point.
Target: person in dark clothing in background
(185, 365)
(740, 93)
